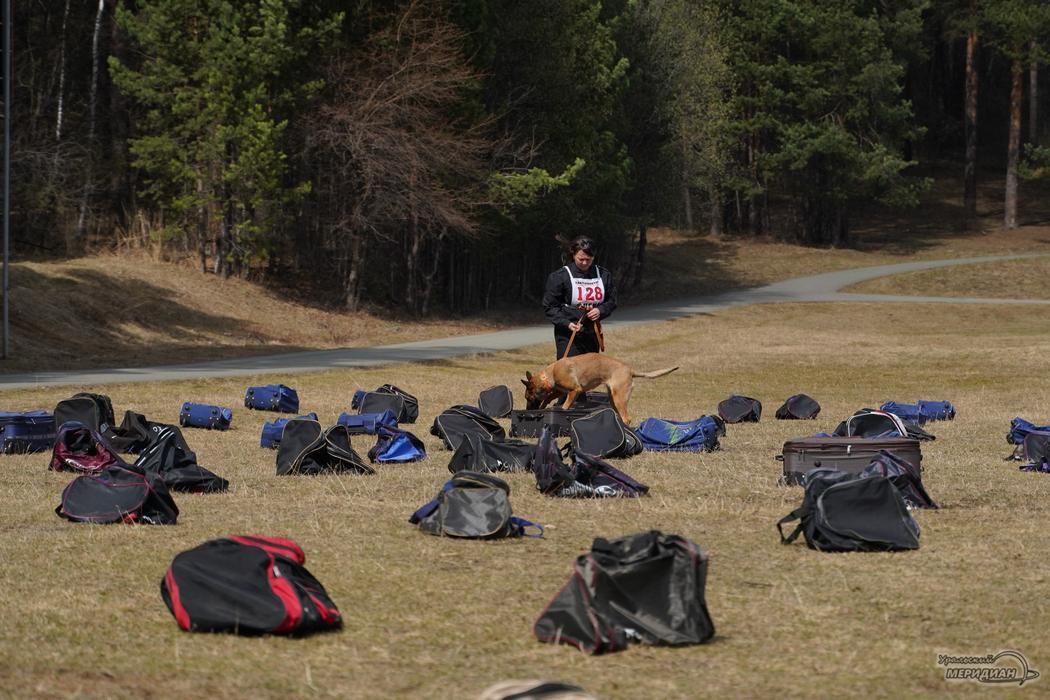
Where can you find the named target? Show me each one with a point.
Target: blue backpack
(396, 445)
(700, 435)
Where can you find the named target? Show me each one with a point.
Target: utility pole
(7, 171)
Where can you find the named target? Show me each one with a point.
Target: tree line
(426, 153)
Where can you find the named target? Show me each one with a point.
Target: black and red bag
(118, 494)
(247, 585)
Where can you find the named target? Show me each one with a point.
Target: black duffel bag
(842, 512)
(645, 588)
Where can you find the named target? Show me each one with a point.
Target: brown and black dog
(571, 376)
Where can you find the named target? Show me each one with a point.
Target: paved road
(816, 288)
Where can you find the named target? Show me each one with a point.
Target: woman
(577, 297)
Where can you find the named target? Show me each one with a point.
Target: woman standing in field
(577, 297)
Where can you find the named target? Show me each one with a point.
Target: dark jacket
(558, 294)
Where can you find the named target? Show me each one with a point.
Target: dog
(572, 376)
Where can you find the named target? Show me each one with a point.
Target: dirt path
(814, 288)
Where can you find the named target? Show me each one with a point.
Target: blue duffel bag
(196, 415)
(272, 397)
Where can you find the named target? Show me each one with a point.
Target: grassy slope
(112, 310)
(436, 618)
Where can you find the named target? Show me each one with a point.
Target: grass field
(430, 617)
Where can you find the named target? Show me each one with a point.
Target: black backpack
(118, 494)
(93, 410)
(604, 434)
(307, 449)
(798, 407)
(645, 588)
(473, 506)
(496, 401)
(842, 512)
(740, 409)
(479, 454)
(247, 585)
(454, 423)
(387, 398)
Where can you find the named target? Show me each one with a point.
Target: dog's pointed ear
(528, 375)
(527, 385)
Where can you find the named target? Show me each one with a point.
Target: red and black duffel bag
(247, 585)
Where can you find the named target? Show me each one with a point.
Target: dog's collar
(543, 378)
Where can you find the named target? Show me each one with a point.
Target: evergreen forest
(425, 154)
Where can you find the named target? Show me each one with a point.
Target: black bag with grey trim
(604, 434)
(308, 449)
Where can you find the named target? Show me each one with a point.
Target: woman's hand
(575, 327)
(593, 313)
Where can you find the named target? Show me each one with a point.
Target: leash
(597, 331)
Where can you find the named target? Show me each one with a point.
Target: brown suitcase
(848, 454)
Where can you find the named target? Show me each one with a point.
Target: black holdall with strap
(247, 585)
(472, 505)
(594, 477)
(306, 448)
(842, 512)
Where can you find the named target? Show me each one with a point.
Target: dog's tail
(653, 375)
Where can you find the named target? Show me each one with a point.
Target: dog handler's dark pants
(583, 343)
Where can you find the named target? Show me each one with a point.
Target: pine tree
(818, 112)
(218, 79)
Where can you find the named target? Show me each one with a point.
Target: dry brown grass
(1027, 278)
(437, 618)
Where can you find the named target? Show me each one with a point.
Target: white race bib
(586, 292)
